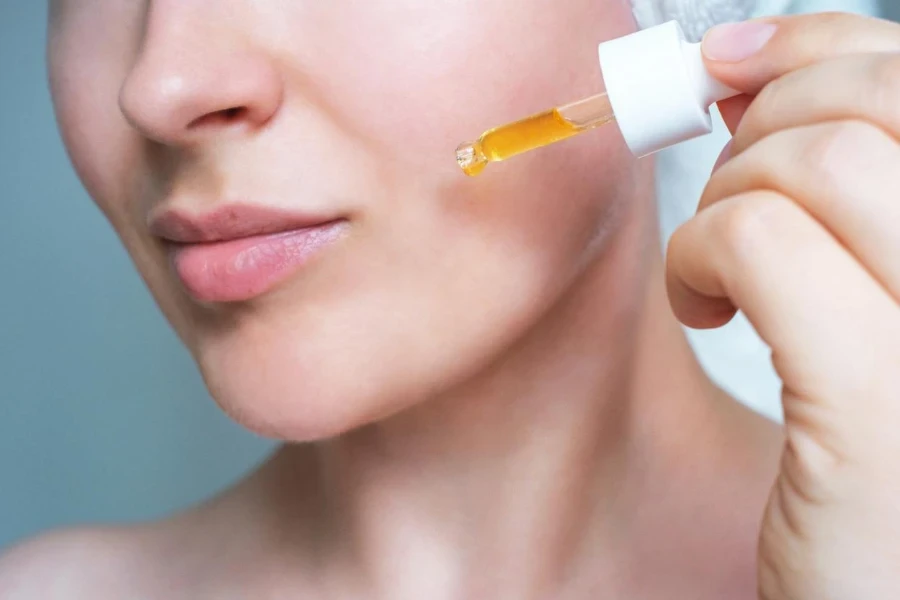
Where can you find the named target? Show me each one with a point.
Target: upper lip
(228, 223)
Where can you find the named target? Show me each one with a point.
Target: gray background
(102, 414)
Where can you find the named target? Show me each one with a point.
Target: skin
(804, 209)
(487, 392)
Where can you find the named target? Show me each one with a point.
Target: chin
(303, 376)
(300, 379)
(283, 408)
(275, 393)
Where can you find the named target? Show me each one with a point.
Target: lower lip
(237, 270)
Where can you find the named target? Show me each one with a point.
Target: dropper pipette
(658, 91)
(534, 132)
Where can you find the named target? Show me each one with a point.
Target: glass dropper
(534, 132)
(657, 84)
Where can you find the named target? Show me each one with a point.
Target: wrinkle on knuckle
(835, 33)
(819, 35)
(831, 32)
(744, 226)
(836, 148)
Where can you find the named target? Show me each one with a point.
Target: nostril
(232, 114)
(220, 118)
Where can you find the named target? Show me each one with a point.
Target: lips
(239, 252)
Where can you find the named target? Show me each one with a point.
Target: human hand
(799, 227)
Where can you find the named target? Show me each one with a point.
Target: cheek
(422, 299)
(85, 78)
(436, 82)
(447, 73)
(86, 69)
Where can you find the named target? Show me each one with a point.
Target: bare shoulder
(227, 547)
(75, 564)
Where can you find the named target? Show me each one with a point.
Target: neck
(551, 460)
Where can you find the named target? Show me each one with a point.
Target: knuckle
(831, 34)
(745, 224)
(835, 148)
(837, 19)
(822, 33)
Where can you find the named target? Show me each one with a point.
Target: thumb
(748, 56)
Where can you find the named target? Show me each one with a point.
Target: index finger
(747, 56)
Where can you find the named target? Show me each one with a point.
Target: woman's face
(282, 173)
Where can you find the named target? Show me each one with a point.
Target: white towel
(696, 16)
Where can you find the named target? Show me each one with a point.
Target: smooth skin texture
(800, 228)
(495, 396)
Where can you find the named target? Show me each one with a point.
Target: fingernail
(734, 42)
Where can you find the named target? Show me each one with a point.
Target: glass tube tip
(470, 158)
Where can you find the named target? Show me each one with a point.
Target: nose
(186, 87)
